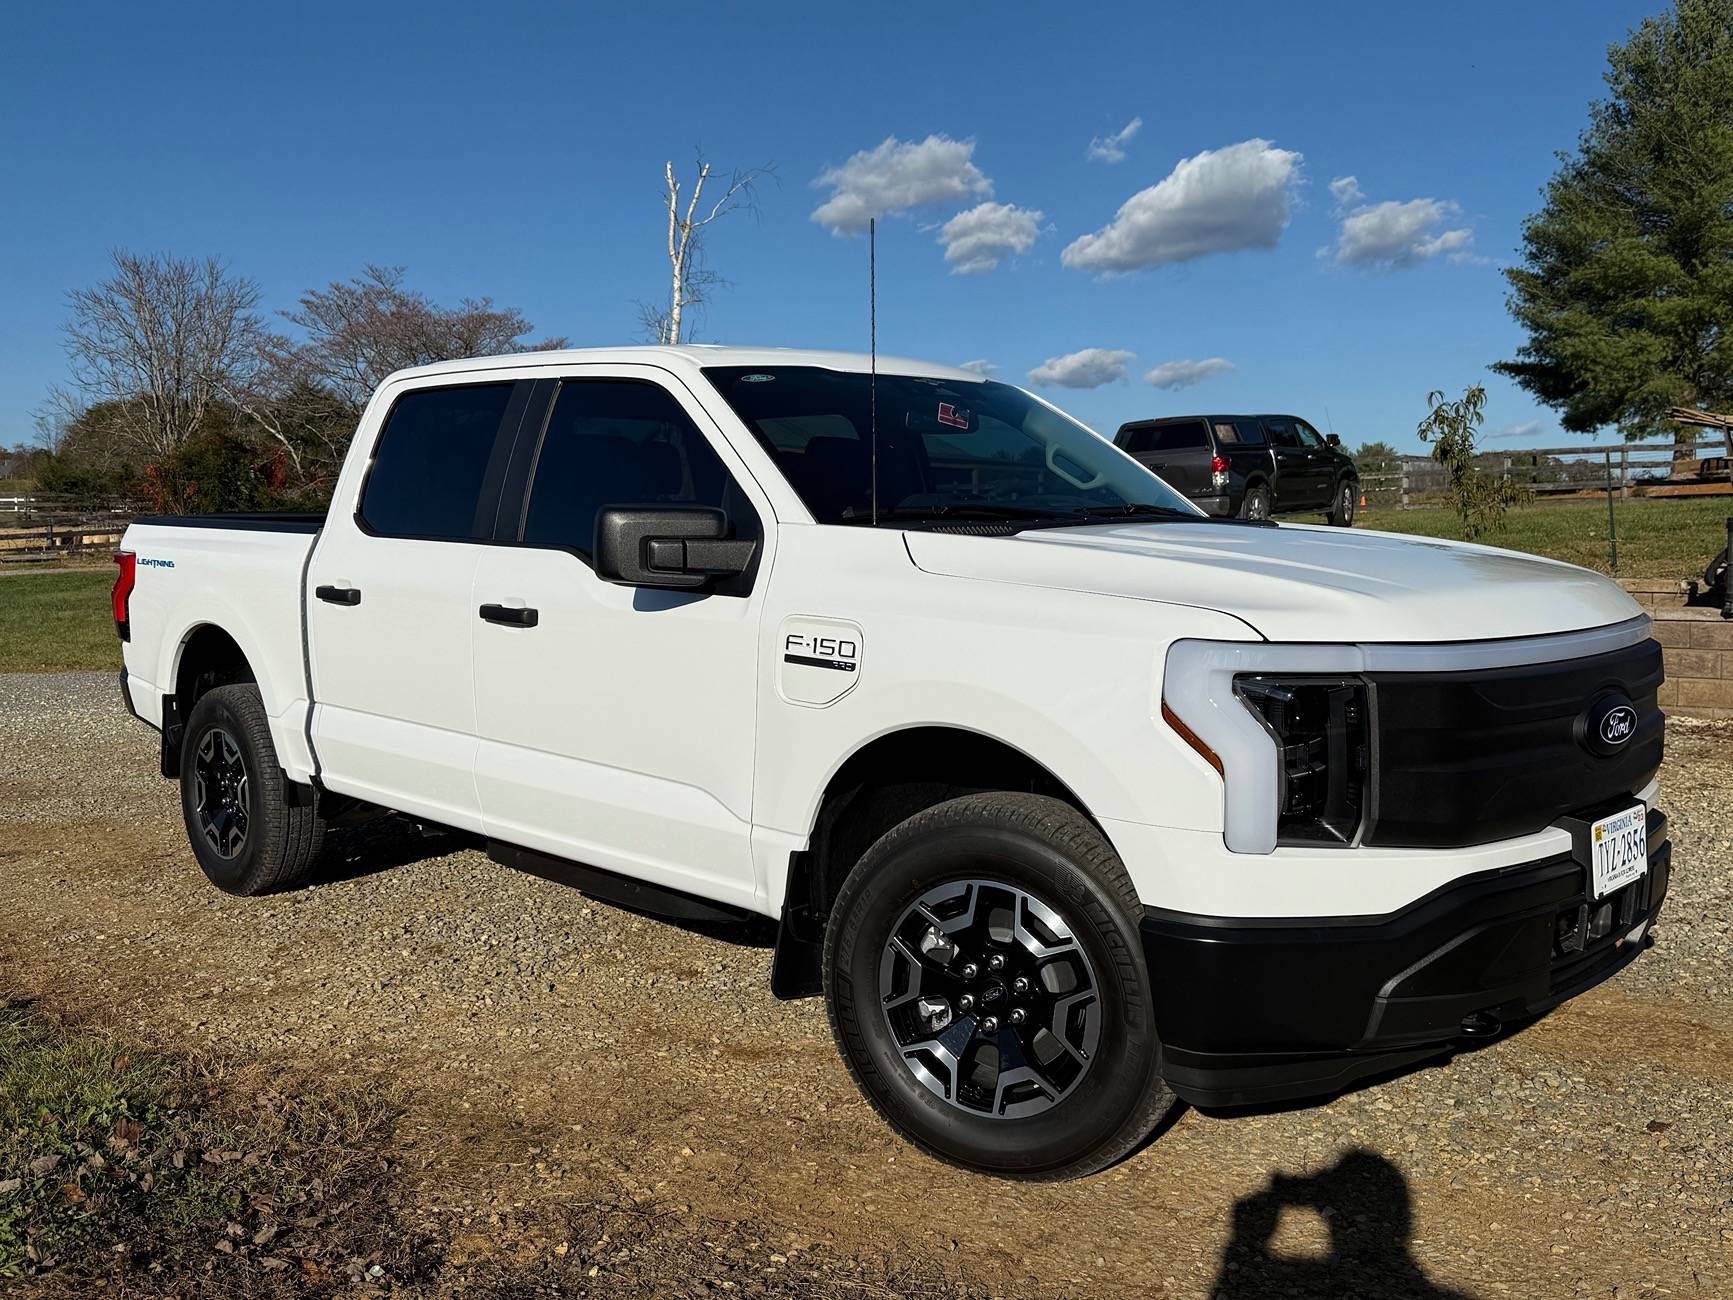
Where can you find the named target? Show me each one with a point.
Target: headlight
(1319, 726)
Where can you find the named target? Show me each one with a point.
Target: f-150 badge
(819, 660)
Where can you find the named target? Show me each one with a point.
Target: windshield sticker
(955, 416)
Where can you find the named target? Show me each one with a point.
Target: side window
(1282, 431)
(431, 470)
(1310, 438)
(615, 442)
(1251, 432)
(1135, 440)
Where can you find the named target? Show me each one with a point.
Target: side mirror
(1332, 439)
(685, 547)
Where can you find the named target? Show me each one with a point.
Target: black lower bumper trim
(1258, 1011)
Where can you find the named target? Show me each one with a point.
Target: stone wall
(1697, 645)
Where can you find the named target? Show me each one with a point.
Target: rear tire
(1035, 903)
(1343, 504)
(248, 830)
(1257, 502)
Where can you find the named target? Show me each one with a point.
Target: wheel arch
(207, 656)
(886, 780)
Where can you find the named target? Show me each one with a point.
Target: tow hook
(1481, 1024)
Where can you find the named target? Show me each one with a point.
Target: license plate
(1620, 845)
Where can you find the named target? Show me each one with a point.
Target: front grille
(1472, 757)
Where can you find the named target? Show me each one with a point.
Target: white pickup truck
(1069, 798)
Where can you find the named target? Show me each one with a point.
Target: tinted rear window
(430, 470)
(1183, 435)
(1240, 432)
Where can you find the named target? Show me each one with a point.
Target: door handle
(339, 595)
(510, 615)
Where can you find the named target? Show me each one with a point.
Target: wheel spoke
(1001, 1016)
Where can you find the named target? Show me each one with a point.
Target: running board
(612, 887)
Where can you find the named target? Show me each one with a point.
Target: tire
(247, 832)
(1078, 1105)
(1256, 504)
(1342, 505)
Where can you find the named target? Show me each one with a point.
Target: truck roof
(693, 356)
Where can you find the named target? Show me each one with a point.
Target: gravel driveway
(565, 1053)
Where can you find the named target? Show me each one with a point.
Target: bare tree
(158, 344)
(690, 280)
(360, 330)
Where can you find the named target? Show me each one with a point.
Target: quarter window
(431, 471)
(623, 443)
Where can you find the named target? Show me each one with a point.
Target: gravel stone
(560, 1052)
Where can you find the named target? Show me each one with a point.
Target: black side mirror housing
(683, 547)
(1332, 439)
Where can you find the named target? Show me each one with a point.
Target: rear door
(1177, 450)
(390, 613)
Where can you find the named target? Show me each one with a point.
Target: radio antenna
(873, 354)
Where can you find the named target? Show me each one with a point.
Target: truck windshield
(946, 449)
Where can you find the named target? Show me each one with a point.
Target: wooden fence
(1563, 473)
(44, 527)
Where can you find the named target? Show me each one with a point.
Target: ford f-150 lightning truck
(1070, 799)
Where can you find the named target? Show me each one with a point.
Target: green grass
(52, 622)
(57, 622)
(1658, 538)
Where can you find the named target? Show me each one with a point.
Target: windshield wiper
(1130, 508)
(961, 510)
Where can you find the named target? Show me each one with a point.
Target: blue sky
(515, 150)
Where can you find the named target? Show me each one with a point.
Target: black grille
(1472, 757)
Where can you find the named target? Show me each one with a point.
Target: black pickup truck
(1252, 466)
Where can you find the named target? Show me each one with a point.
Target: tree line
(183, 395)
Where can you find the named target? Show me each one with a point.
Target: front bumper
(1253, 1011)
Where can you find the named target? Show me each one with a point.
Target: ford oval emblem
(1618, 724)
(1607, 725)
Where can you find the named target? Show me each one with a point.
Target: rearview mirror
(685, 547)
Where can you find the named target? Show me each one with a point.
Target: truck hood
(1297, 582)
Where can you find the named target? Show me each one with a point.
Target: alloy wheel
(220, 790)
(992, 1002)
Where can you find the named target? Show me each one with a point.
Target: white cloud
(1389, 236)
(1527, 429)
(1090, 368)
(1218, 201)
(982, 368)
(1183, 374)
(1345, 190)
(977, 239)
(1111, 148)
(896, 176)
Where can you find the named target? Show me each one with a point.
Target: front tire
(248, 832)
(986, 985)
(1342, 507)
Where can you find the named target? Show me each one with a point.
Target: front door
(1298, 481)
(616, 723)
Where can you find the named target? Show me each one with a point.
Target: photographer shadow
(1368, 1213)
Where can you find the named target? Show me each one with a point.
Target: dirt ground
(587, 1085)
